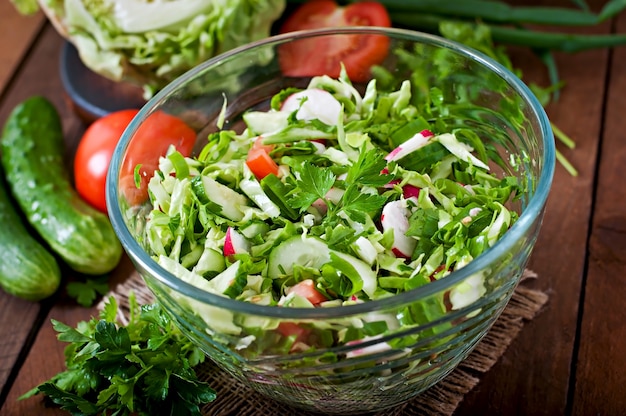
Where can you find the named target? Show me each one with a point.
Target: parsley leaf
(357, 204)
(313, 183)
(88, 291)
(368, 169)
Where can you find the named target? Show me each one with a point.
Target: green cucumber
(27, 269)
(32, 156)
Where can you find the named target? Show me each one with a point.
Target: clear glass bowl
(338, 379)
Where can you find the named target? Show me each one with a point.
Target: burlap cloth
(233, 399)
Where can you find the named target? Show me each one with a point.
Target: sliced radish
(392, 183)
(410, 191)
(395, 216)
(313, 104)
(235, 243)
(320, 205)
(333, 195)
(419, 140)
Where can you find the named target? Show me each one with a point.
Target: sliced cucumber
(229, 200)
(313, 252)
(298, 250)
(210, 261)
(221, 282)
(219, 320)
(368, 276)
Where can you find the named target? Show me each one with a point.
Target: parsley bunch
(144, 367)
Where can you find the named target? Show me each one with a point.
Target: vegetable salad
(331, 197)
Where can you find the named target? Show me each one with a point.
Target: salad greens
(377, 202)
(140, 367)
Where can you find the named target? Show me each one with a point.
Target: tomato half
(93, 155)
(151, 141)
(323, 56)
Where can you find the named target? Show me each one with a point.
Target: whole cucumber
(27, 269)
(32, 155)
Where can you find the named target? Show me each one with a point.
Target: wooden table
(569, 360)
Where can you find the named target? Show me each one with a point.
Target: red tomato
(93, 156)
(259, 160)
(323, 56)
(289, 329)
(151, 141)
(306, 289)
(94, 151)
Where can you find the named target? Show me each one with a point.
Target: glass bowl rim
(534, 208)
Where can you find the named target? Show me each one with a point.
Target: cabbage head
(151, 42)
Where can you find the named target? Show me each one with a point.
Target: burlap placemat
(233, 399)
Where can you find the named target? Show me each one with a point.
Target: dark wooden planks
(600, 382)
(17, 34)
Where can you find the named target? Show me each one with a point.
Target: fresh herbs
(315, 183)
(142, 367)
(87, 291)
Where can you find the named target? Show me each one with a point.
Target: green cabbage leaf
(150, 43)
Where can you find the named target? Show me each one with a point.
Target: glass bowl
(424, 337)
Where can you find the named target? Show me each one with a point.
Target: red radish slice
(235, 243)
(410, 191)
(368, 349)
(411, 145)
(334, 195)
(318, 104)
(395, 217)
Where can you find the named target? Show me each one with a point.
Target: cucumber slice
(210, 261)
(313, 252)
(368, 276)
(304, 251)
(230, 201)
(218, 319)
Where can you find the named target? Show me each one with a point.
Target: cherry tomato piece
(307, 290)
(259, 161)
(323, 56)
(290, 329)
(93, 156)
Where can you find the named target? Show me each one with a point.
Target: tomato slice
(290, 329)
(259, 161)
(324, 55)
(306, 289)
